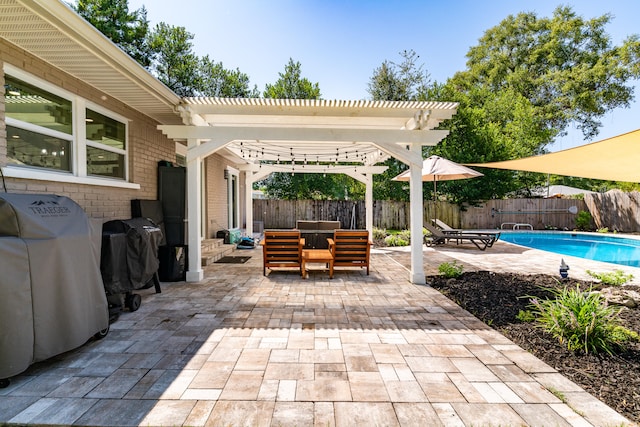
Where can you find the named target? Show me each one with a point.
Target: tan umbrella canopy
(436, 168)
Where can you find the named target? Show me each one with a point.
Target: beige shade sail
(612, 159)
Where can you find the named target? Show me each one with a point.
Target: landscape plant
(581, 320)
(450, 269)
(611, 278)
(583, 221)
(395, 240)
(379, 233)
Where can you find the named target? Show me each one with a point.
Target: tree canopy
(126, 29)
(565, 66)
(526, 81)
(165, 50)
(403, 81)
(291, 84)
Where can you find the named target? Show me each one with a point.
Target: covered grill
(52, 298)
(129, 260)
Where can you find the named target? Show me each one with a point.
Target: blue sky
(340, 43)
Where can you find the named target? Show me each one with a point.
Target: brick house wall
(147, 145)
(217, 213)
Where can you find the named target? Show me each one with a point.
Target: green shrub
(395, 240)
(583, 220)
(525, 316)
(379, 233)
(405, 235)
(450, 269)
(611, 278)
(581, 320)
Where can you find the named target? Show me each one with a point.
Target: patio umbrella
(436, 168)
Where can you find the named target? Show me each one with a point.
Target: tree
(312, 186)
(126, 29)
(404, 81)
(525, 82)
(215, 80)
(175, 64)
(291, 85)
(489, 126)
(565, 66)
(166, 51)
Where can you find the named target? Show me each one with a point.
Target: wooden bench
(281, 248)
(350, 248)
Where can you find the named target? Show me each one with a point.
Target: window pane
(104, 163)
(33, 105)
(34, 149)
(105, 130)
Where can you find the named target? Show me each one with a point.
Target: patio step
(213, 250)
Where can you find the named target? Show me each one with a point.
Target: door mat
(233, 260)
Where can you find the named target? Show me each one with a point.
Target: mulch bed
(496, 299)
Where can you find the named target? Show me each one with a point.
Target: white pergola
(307, 136)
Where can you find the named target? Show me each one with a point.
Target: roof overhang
(612, 159)
(52, 31)
(294, 133)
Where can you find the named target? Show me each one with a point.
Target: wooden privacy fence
(539, 213)
(351, 214)
(615, 210)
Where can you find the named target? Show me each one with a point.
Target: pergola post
(248, 197)
(417, 209)
(368, 202)
(194, 203)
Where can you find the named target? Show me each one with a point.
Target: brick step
(211, 244)
(214, 253)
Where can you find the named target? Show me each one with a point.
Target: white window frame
(78, 173)
(116, 117)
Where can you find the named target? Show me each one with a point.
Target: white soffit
(51, 31)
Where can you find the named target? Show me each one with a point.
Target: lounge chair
(482, 240)
(448, 230)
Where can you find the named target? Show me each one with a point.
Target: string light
(274, 154)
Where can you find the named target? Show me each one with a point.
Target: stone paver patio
(241, 349)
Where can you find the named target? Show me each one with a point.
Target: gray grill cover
(52, 298)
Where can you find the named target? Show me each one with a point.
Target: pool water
(598, 247)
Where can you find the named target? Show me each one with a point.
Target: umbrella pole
(435, 206)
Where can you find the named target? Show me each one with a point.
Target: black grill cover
(129, 258)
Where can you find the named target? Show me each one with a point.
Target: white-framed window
(106, 143)
(55, 135)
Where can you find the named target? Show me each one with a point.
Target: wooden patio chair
(351, 248)
(481, 240)
(281, 248)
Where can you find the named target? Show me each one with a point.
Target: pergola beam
(219, 136)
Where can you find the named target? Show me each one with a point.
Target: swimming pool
(595, 246)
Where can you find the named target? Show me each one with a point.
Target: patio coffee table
(323, 256)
